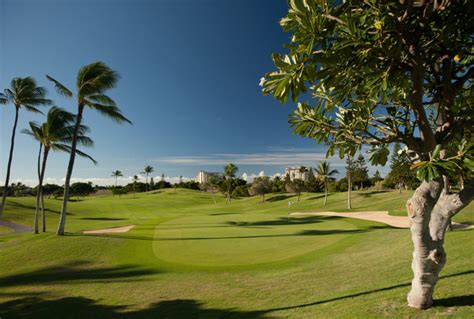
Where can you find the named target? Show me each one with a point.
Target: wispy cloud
(282, 158)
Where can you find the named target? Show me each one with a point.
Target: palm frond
(101, 99)
(67, 149)
(109, 111)
(33, 109)
(60, 88)
(3, 98)
(96, 78)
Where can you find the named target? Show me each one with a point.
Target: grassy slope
(190, 258)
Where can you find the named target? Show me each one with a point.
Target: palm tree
(116, 174)
(135, 180)
(324, 171)
(54, 135)
(148, 170)
(229, 171)
(23, 92)
(92, 81)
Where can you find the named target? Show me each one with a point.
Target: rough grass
(189, 258)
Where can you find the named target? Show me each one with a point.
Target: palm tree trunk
(43, 173)
(43, 216)
(325, 193)
(228, 192)
(62, 220)
(146, 183)
(40, 191)
(10, 158)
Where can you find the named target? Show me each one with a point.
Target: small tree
(384, 72)
(82, 189)
(260, 186)
(229, 171)
(116, 174)
(147, 171)
(313, 184)
(296, 186)
(326, 174)
(360, 172)
(135, 180)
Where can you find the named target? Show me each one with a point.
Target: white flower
(262, 80)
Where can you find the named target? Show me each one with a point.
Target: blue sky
(189, 83)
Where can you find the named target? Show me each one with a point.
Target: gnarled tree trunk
(430, 210)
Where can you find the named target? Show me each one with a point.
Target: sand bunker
(376, 216)
(121, 229)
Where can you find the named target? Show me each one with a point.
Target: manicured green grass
(190, 258)
(5, 230)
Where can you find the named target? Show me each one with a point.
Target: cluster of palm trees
(135, 179)
(62, 130)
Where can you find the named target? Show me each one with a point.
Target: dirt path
(376, 216)
(17, 228)
(121, 229)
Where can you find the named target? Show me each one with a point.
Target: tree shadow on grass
(279, 198)
(309, 232)
(34, 306)
(370, 193)
(446, 302)
(80, 307)
(318, 197)
(281, 221)
(457, 301)
(102, 218)
(221, 214)
(33, 207)
(79, 271)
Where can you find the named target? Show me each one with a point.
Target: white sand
(121, 229)
(376, 216)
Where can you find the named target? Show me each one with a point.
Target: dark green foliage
(360, 173)
(400, 174)
(139, 187)
(81, 189)
(241, 191)
(313, 184)
(161, 185)
(189, 185)
(277, 185)
(341, 185)
(260, 186)
(296, 186)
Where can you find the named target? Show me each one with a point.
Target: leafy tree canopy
(381, 72)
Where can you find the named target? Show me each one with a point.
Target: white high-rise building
(295, 173)
(203, 177)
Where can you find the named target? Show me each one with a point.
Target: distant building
(295, 173)
(203, 177)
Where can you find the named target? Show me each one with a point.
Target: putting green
(219, 240)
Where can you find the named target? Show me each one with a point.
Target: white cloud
(107, 181)
(268, 159)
